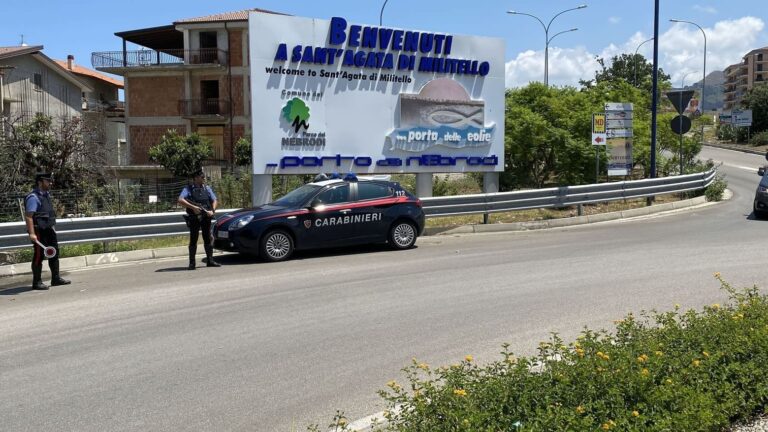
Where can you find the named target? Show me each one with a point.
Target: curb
(736, 148)
(570, 221)
(88, 261)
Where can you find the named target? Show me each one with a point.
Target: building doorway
(215, 133)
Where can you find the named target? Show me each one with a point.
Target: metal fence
(112, 228)
(143, 58)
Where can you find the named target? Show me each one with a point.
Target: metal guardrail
(130, 227)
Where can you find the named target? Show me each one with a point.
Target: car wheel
(402, 235)
(759, 214)
(276, 245)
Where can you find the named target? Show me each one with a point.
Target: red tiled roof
(18, 50)
(226, 16)
(79, 70)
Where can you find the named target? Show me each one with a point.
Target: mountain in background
(714, 91)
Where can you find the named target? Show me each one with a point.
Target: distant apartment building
(32, 83)
(102, 110)
(741, 77)
(190, 76)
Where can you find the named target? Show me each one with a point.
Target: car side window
(336, 195)
(367, 191)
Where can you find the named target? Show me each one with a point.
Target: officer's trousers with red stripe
(47, 237)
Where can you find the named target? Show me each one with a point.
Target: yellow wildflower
(468, 358)
(717, 275)
(423, 366)
(705, 354)
(715, 306)
(669, 381)
(580, 352)
(635, 414)
(659, 353)
(580, 409)
(460, 392)
(645, 372)
(465, 423)
(455, 366)
(342, 422)
(642, 359)
(696, 363)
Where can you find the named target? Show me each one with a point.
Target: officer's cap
(198, 173)
(44, 176)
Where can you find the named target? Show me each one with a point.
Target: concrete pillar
(490, 182)
(424, 185)
(261, 189)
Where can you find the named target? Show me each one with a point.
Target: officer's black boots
(212, 263)
(57, 280)
(37, 279)
(192, 252)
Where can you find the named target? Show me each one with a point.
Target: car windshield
(297, 197)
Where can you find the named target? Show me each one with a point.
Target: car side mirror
(761, 171)
(766, 155)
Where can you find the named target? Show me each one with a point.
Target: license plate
(223, 234)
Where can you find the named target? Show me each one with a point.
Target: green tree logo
(296, 112)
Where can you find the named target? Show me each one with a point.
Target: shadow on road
(15, 291)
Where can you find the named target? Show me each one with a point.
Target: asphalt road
(272, 347)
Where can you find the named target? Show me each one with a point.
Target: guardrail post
(580, 209)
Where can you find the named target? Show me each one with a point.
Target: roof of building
(79, 70)
(36, 52)
(241, 15)
(757, 50)
(13, 51)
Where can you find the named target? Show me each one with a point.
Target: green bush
(760, 139)
(670, 371)
(715, 191)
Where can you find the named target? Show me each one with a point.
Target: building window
(760, 68)
(759, 57)
(759, 77)
(37, 81)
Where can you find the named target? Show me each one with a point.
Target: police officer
(200, 202)
(40, 217)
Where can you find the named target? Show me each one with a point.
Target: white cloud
(681, 48)
(566, 67)
(705, 9)
(614, 20)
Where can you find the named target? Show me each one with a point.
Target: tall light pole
(704, 79)
(547, 39)
(381, 14)
(635, 57)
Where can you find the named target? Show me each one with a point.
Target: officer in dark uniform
(40, 217)
(200, 202)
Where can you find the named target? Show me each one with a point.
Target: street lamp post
(381, 14)
(635, 57)
(547, 39)
(704, 78)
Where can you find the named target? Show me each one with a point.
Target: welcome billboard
(334, 96)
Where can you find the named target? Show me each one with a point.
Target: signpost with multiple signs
(618, 131)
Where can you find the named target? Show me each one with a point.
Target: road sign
(619, 133)
(619, 124)
(613, 106)
(598, 123)
(725, 118)
(741, 117)
(680, 124)
(599, 139)
(618, 115)
(680, 99)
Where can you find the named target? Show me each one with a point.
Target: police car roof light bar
(350, 177)
(320, 177)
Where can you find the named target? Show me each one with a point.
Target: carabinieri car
(324, 213)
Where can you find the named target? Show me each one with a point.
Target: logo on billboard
(441, 114)
(296, 112)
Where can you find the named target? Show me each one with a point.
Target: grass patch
(659, 371)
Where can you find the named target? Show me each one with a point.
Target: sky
(605, 28)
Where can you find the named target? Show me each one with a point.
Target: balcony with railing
(117, 60)
(204, 107)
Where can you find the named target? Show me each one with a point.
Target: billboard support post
(261, 189)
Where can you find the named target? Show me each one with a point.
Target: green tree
(181, 155)
(44, 144)
(757, 101)
(627, 67)
(243, 152)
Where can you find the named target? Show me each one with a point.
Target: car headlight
(241, 222)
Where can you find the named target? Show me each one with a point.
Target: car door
(370, 211)
(330, 217)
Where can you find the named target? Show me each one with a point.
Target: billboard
(333, 96)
